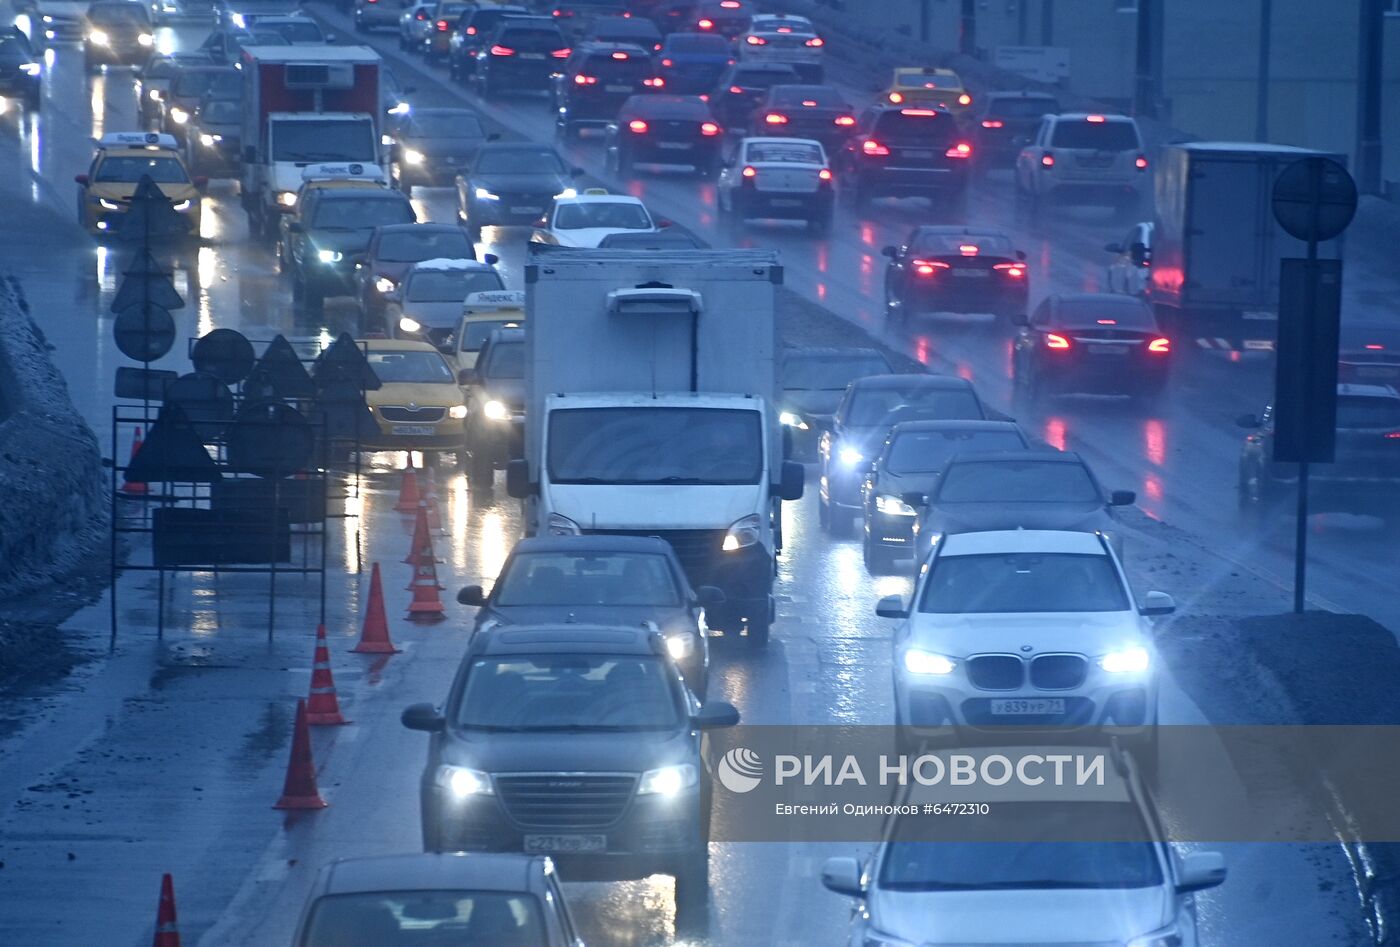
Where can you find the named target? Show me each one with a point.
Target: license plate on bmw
(618, 88)
(969, 271)
(917, 154)
(1031, 706)
(413, 430)
(564, 844)
(527, 210)
(1108, 350)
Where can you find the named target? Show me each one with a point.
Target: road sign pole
(1300, 528)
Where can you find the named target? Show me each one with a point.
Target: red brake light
(668, 63)
(896, 97)
(1160, 345)
(964, 99)
(581, 79)
(655, 82)
(442, 26)
(969, 249)
(993, 123)
(502, 51)
(920, 112)
(845, 121)
(619, 55)
(1392, 435)
(561, 53)
(824, 174)
(1095, 118)
(756, 41)
(1054, 341)
(471, 30)
(809, 103)
(961, 150)
(1373, 347)
(776, 118)
(704, 97)
(709, 129)
(706, 23)
(929, 267)
(1047, 160)
(730, 4)
(749, 171)
(1013, 270)
(1141, 163)
(816, 41)
(638, 126)
(872, 147)
(1107, 322)
(735, 90)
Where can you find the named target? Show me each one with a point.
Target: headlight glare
(891, 505)
(409, 324)
(178, 115)
(399, 108)
(495, 411)
(742, 533)
(145, 39)
(1127, 661)
(484, 195)
(680, 647)
(567, 192)
(97, 38)
(792, 420)
(849, 456)
(31, 68)
(209, 141)
(287, 198)
(457, 412)
(463, 782)
(918, 661)
(108, 205)
(384, 284)
(412, 157)
(668, 780)
(184, 205)
(329, 256)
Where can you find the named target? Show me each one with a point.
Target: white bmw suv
(1024, 628)
(1083, 158)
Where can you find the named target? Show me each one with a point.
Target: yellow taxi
(928, 86)
(482, 314)
(315, 177)
(122, 159)
(418, 405)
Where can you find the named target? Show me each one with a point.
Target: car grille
(1058, 671)
(697, 549)
(412, 415)
(541, 201)
(1079, 711)
(565, 800)
(995, 672)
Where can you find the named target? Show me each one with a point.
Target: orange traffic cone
(167, 933)
(322, 706)
(299, 791)
(422, 548)
(408, 493)
(134, 488)
(427, 604)
(374, 635)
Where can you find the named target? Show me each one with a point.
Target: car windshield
(915, 452)
(887, 405)
(1017, 481)
(953, 244)
(221, 112)
(568, 692)
(296, 31)
(475, 334)
(1095, 136)
(809, 96)
(921, 126)
(194, 83)
(442, 286)
(789, 152)
(1368, 413)
(1023, 582)
(519, 162)
(410, 367)
(129, 169)
(655, 445)
(119, 14)
(361, 213)
(505, 360)
(1121, 311)
(405, 918)
(312, 140)
(613, 215)
(829, 372)
(1022, 108)
(414, 245)
(455, 125)
(588, 578)
(697, 43)
(1029, 862)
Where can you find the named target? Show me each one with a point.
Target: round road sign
(144, 332)
(1314, 199)
(269, 439)
(225, 354)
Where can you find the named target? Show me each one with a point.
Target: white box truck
(1215, 245)
(303, 105)
(650, 385)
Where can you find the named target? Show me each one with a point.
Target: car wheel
(693, 893)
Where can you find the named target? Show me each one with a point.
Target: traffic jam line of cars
(1021, 616)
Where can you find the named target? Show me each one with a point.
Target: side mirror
(890, 252)
(1113, 248)
(664, 222)
(577, 172)
(472, 595)
(1122, 498)
(915, 499)
(518, 479)
(792, 480)
(1021, 320)
(891, 606)
(1157, 603)
(1021, 255)
(1199, 871)
(250, 154)
(490, 259)
(295, 226)
(708, 595)
(467, 376)
(423, 717)
(715, 715)
(81, 178)
(842, 875)
(494, 136)
(1248, 420)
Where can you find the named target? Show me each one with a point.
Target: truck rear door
(1225, 238)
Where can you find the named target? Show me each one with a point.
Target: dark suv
(332, 228)
(597, 79)
(20, 67)
(743, 85)
(117, 33)
(902, 151)
(576, 741)
(521, 54)
(470, 33)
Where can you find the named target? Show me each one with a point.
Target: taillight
(1096, 119)
(581, 79)
(1160, 345)
(815, 41)
(845, 121)
(1141, 163)
(964, 99)
(471, 30)
(1053, 341)
(619, 56)
(756, 41)
(561, 53)
(929, 267)
(1392, 435)
(668, 63)
(961, 150)
(921, 113)
(824, 174)
(735, 90)
(1013, 270)
(749, 171)
(655, 82)
(442, 26)
(969, 249)
(1047, 160)
(896, 97)
(872, 147)
(706, 23)
(776, 118)
(502, 51)
(709, 129)
(704, 97)
(638, 126)
(993, 123)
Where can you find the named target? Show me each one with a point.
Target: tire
(693, 894)
(759, 629)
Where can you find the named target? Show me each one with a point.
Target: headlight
(1166, 937)
(743, 533)
(917, 661)
(329, 256)
(413, 157)
(558, 525)
(484, 195)
(567, 192)
(1127, 661)
(680, 647)
(155, 95)
(184, 205)
(145, 39)
(384, 284)
(668, 780)
(457, 412)
(108, 205)
(792, 420)
(891, 505)
(97, 38)
(287, 198)
(849, 456)
(463, 782)
(178, 115)
(409, 324)
(399, 108)
(209, 141)
(31, 68)
(47, 18)
(495, 411)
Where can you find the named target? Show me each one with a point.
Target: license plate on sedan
(1108, 350)
(968, 271)
(564, 844)
(618, 88)
(414, 430)
(917, 153)
(532, 55)
(785, 201)
(1032, 706)
(674, 145)
(527, 210)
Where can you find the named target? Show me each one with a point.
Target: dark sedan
(813, 382)
(727, 18)
(741, 87)
(20, 69)
(907, 468)
(665, 129)
(520, 55)
(212, 144)
(870, 408)
(1005, 122)
(433, 145)
(511, 184)
(394, 249)
(1018, 490)
(691, 63)
(626, 580)
(1097, 343)
(955, 269)
(596, 80)
(818, 112)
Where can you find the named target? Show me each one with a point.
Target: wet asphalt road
(167, 756)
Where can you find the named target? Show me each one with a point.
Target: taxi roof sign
(495, 299)
(138, 140)
(596, 190)
(342, 171)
